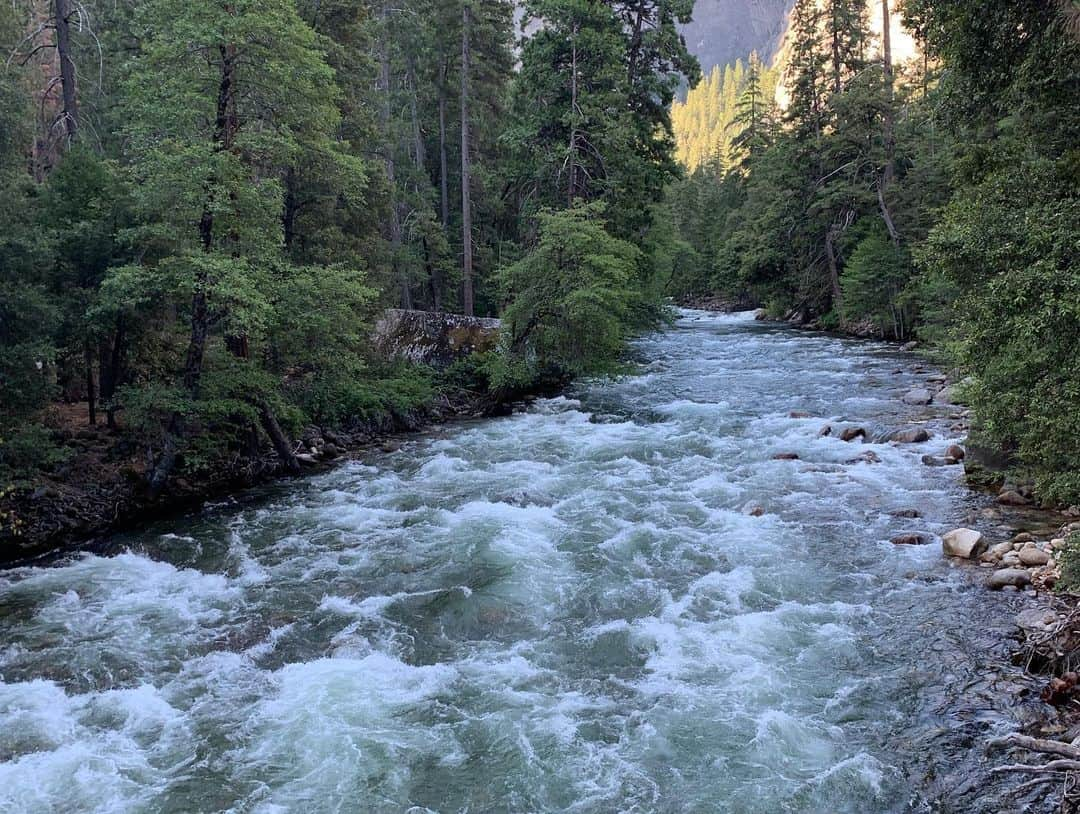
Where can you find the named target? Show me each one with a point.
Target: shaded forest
(205, 206)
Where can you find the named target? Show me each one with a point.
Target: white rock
(966, 543)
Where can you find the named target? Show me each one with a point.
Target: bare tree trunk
(466, 203)
(888, 137)
(571, 186)
(444, 186)
(62, 12)
(391, 167)
(834, 269)
(280, 441)
(91, 400)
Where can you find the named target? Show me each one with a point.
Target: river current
(571, 609)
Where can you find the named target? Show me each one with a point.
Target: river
(570, 609)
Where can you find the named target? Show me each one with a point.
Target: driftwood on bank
(1052, 651)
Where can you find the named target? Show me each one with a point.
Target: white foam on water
(566, 610)
(331, 723)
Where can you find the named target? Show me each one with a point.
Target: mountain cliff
(725, 30)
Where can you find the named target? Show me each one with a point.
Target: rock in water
(786, 456)
(911, 538)
(1016, 577)
(913, 436)
(955, 451)
(851, 433)
(1033, 556)
(920, 395)
(965, 543)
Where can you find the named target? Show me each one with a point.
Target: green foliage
(26, 450)
(571, 297)
(1068, 559)
(873, 282)
(400, 391)
(944, 207)
(250, 183)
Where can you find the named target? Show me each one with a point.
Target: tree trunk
(391, 167)
(466, 204)
(224, 129)
(62, 11)
(834, 269)
(419, 153)
(444, 186)
(837, 63)
(888, 137)
(110, 365)
(91, 402)
(572, 154)
(281, 442)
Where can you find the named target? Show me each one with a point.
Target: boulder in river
(919, 395)
(1016, 577)
(786, 456)
(911, 538)
(906, 513)
(851, 433)
(916, 435)
(798, 414)
(868, 457)
(955, 451)
(826, 430)
(1033, 556)
(999, 550)
(964, 543)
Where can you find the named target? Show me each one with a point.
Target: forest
(206, 205)
(933, 199)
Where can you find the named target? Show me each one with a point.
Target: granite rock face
(433, 338)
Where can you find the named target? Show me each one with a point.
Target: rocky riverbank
(101, 487)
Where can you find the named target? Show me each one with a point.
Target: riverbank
(100, 488)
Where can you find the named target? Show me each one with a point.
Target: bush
(872, 281)
(1069, 561)
(573, 298)
(351, 393)
(25, 451)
